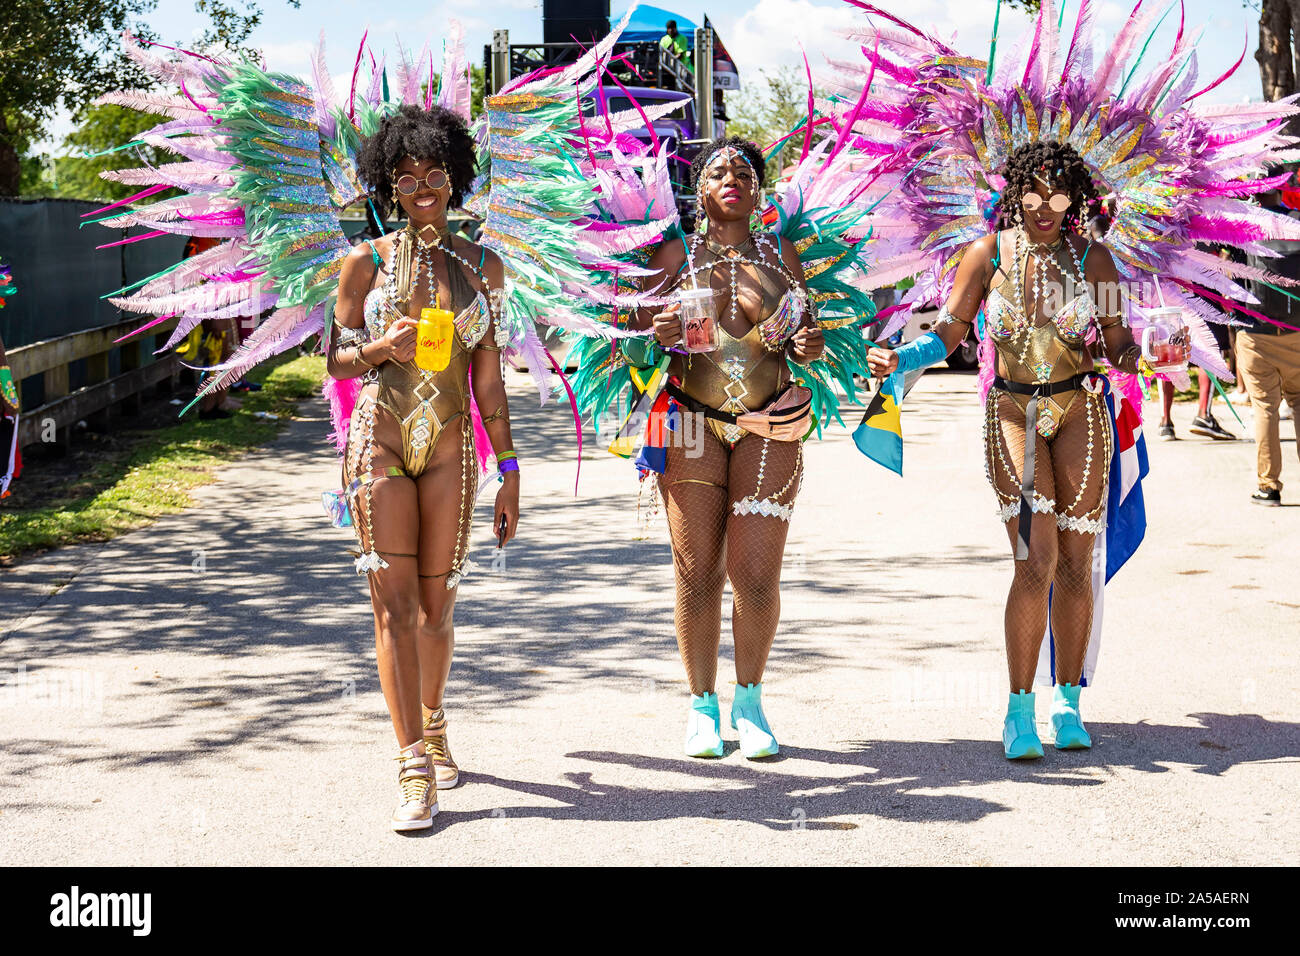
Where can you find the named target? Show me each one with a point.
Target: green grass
(158, 472)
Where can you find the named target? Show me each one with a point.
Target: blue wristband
(921, 352)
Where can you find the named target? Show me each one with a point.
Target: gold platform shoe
(419, 797)
(445, 770)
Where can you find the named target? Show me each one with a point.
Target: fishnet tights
(712, 544)
(1060, 560)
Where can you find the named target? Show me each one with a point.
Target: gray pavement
(203, 691)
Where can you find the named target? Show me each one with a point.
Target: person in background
(1268, 357)
(219, 342)
(1204, 424)
(676, 44)
(10, 460)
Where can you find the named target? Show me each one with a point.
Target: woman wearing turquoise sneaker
(729, 494)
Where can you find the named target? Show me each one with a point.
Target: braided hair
(1059, 164)
(434, 135)
(751, 152)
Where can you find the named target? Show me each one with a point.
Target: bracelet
(947, 318)
(510, 464)
(1135, 352)
(362, 359)
(348, 336)
(488, 419)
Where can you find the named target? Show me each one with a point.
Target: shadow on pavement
(892, 774)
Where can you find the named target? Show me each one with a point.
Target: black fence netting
(61, 276)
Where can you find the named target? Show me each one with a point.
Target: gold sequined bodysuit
(1029, 353)
(422, 405)
(425, 403)
(744, 373)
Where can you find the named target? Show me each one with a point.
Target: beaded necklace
(735, 256)
(1042, 254)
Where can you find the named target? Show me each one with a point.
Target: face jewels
(1059, 202)
(407, 184)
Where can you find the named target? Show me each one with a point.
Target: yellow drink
(433, 339)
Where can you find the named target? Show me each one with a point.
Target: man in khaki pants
(1268, 359)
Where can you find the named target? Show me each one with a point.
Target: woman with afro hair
(1047, 435)
(410, 467)
(728, 496)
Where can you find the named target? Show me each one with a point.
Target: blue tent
(648, 23)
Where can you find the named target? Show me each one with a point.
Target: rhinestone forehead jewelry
(728, 154)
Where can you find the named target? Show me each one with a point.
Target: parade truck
(648, 65)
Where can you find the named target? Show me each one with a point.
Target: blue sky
(758, 33)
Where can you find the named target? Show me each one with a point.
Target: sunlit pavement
(203, 691)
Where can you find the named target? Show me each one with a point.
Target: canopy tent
(647, 23)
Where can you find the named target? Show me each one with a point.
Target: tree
(767, 109)
(1279, 28)
(51, 52)
(67, 52)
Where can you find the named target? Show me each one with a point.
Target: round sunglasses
(1059, 202)
(406, 184)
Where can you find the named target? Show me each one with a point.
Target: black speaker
(563, 21)
(585, 30)
(574, 9)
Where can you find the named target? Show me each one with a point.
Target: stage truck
(691, 67)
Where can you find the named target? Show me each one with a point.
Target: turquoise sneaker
(747, 717)
(1019, 735)
(1066, 722)
(704, 727)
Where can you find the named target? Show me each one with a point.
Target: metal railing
(102, 393)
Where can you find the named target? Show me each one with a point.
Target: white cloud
(769, 33)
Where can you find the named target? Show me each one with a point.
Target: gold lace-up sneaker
(419, 798)
(445, 770)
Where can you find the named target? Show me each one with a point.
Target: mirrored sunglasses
(1059, 202)
(407, 184)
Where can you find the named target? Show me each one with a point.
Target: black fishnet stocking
(756, 547)
(1060, 559)
(695, 501)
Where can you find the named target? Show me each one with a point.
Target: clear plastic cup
(699, 324)
(1165, 340)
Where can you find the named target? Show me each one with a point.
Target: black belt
(694, 405)
(1035, 392)
(1041, 389)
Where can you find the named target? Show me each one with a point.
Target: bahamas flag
(879, 435)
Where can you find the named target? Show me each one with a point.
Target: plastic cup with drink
(1165, 341)
(699, 324)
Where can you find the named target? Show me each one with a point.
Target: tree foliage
(64, 53)
(767, 109)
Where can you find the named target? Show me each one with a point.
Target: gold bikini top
(1051, 351)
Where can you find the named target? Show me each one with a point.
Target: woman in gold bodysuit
(410, 468)
(1047, 430)
(729, 493)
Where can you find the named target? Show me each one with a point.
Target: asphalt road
(203, 691)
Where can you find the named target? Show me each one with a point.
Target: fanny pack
(788, 417)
